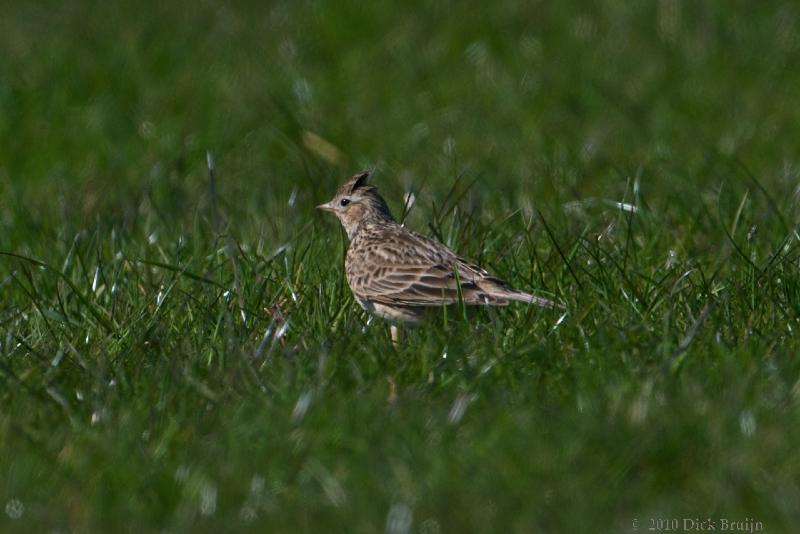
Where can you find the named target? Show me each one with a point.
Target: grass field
(182, 354)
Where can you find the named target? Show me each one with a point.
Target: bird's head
(357, 202)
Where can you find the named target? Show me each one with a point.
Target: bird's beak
(325, 207)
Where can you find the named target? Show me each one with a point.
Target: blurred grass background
(177, 359)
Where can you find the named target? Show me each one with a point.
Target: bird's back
(389, 264)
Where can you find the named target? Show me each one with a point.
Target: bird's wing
(405, 268)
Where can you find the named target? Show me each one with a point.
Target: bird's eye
(344, 202)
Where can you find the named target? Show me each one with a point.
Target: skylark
(399, 275)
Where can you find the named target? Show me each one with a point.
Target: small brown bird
(397, 274)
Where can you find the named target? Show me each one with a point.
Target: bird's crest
(358, 181)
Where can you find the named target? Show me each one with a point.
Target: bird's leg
(395, 333)
(391, 397)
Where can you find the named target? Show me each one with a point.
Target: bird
(399, 275)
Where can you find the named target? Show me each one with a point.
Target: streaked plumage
(398, 274)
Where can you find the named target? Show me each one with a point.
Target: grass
(180, 353)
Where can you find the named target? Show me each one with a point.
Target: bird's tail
(521, 296)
